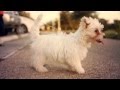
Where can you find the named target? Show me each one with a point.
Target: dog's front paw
(81, 71)
(41, 69)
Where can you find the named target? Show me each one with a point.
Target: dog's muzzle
(100, 41)
(99, 38)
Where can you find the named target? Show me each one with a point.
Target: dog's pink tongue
(99, 41)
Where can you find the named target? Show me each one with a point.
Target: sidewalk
(12, 37)
(12, 44)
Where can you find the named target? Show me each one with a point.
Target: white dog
(66, 50)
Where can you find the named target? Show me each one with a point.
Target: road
(102, 62)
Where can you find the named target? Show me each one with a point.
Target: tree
(117, 25)
(80, 14)
(71, 20)
(104, 22)
(64, 17)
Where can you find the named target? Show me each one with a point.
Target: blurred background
(102, 61)
(68, 21)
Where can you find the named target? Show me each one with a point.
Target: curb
(12, 37)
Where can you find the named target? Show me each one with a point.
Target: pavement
(102, 62)
(12, 44)
(12, 37)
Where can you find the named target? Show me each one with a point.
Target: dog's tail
(35, 29)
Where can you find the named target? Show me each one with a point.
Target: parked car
(12, 22)
(26, 22)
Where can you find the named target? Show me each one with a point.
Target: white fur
(64, 50)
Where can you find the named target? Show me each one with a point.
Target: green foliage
(111, 34)
(104, 22)
(70, 21)
(80, 14)
(115, 30)
(65, 20)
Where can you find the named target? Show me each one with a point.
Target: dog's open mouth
(100, 41)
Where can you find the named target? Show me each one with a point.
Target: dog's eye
(96, 31)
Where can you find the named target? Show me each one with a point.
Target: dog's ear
(85, 20)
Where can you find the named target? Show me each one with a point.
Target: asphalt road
(102, 62)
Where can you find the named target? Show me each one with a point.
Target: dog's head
(93, 29)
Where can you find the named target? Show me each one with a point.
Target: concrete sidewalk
(12, 43)
(12, 37)
(15, 37)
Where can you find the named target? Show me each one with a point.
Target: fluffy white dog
(66, 50)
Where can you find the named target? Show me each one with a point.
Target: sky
(52, 15)
(109, 15)
(47, 15)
